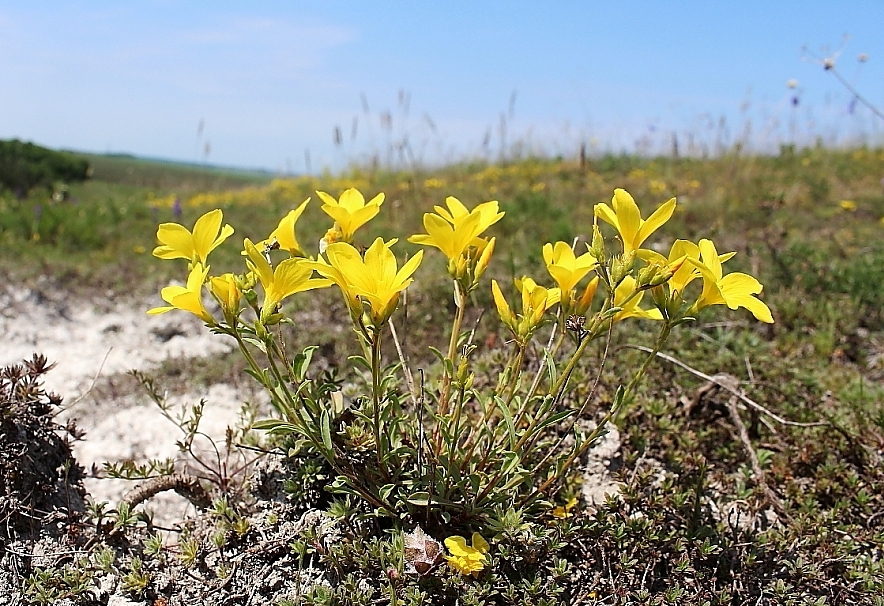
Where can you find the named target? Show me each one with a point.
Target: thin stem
(661, 339)
(472, 440)
(855, 93)
(406, 371)
(460, 301)
(376, 397)
(595, 383)
(552, 352)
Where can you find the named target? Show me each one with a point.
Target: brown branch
(185, 485)
(757, 471)
(724, 384)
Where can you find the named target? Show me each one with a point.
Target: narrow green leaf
(550, 366)
(325, 428)
(259, 344)
(508, 419)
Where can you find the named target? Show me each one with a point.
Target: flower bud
(484, 259)
(661, 299)
(597, 247)
(621, 266)
(647, 276)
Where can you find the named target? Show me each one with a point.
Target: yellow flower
(284, 234)
(179, 243)
(351, 211)
(685, 273)
(374, 279)
(564, 511)
(289, 277)
(630, 307)
(626, 218)
(456, 230)
(734, 290)
(187, 298)
(226, 290)
(467, 559)
(535, 301)
(566, 268)
(848, 205)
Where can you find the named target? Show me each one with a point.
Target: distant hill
(127, 169)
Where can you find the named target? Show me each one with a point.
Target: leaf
(259, 344)
(508, 419)
(437, 353)
(421, 499)
(325, 428)
(302, 361)
(553, 419)
(275, 426)
(360, 361)
(386, 490)
(613, 311)
(550, 366)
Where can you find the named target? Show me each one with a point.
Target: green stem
(460, 301)
(477, 429)
(376, 397)
(661, 339)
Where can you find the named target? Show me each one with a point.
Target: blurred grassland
(776, 212)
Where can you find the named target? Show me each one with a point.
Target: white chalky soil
(86, 342)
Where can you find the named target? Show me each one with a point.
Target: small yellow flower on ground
(734, 290)
(627, 220)
(178, 242)
(187, 298)
(564, 511)
(467, 559)
(350, 211)
(848, 205)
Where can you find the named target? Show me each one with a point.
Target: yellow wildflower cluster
(372, 280)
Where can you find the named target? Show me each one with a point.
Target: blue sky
(270, 80)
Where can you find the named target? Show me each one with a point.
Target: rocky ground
(88, 343)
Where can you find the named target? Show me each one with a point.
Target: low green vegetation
(24, 166)
(750, 460)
